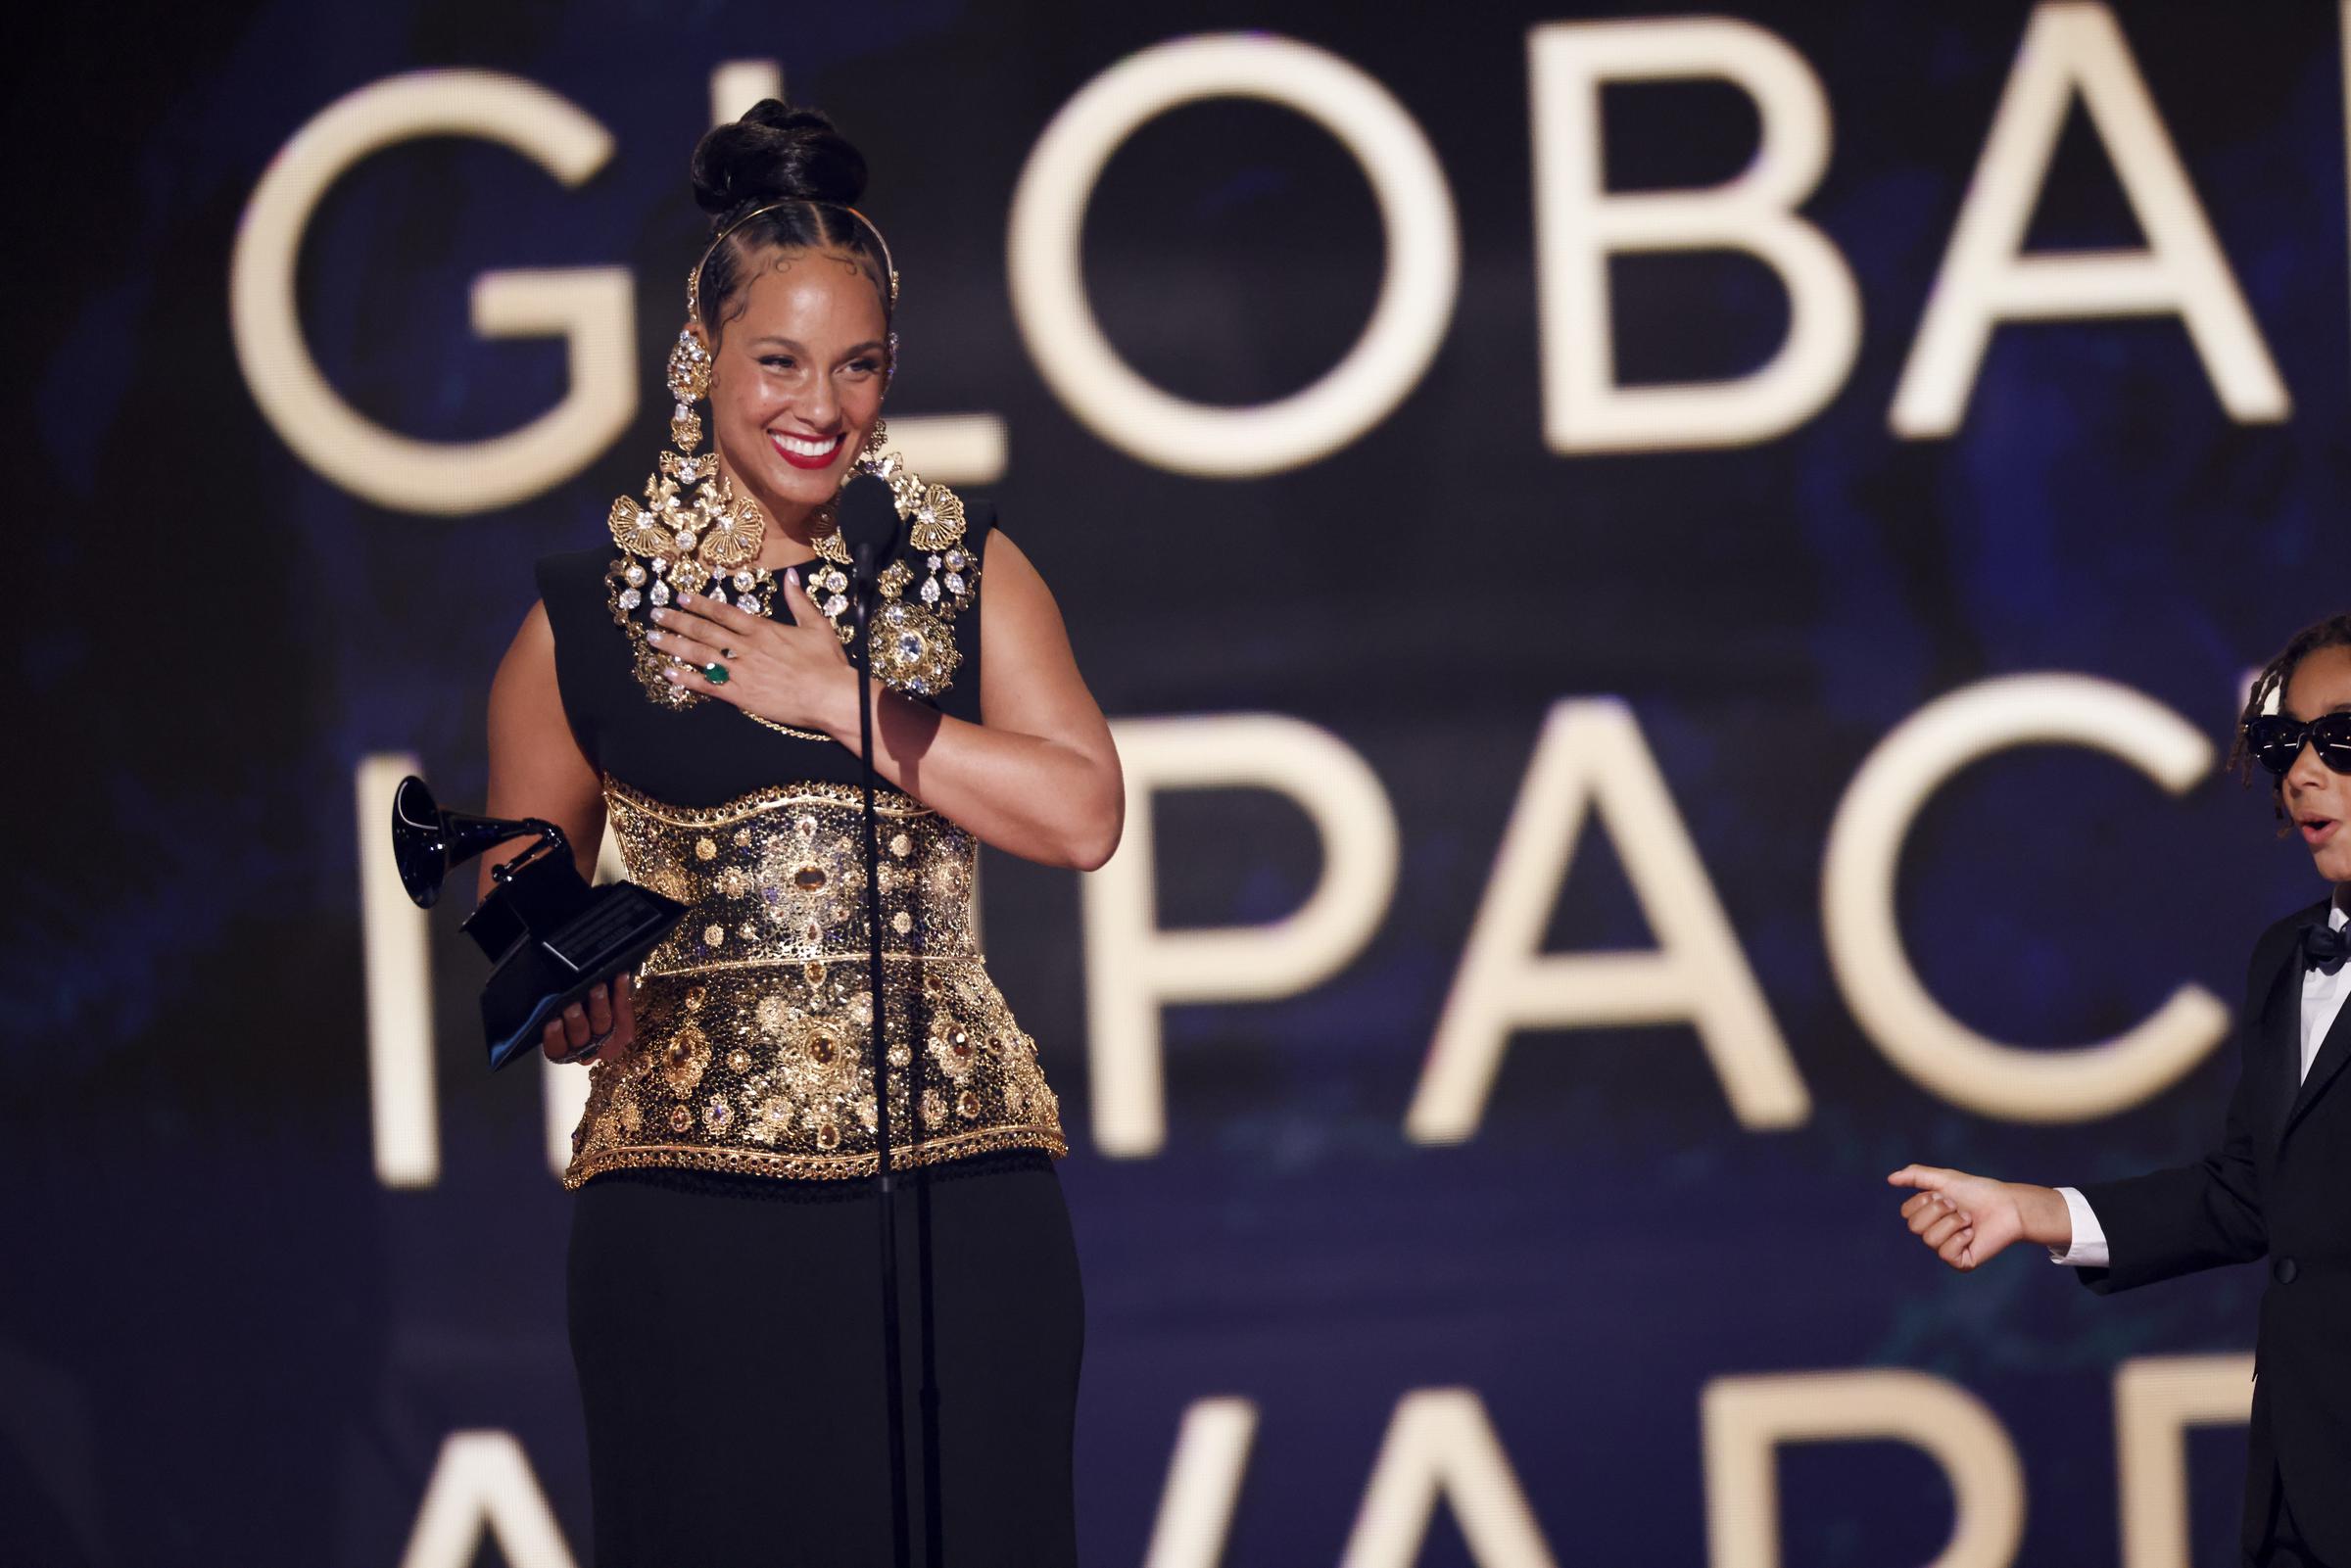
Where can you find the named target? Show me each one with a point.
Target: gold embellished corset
(754, 1017)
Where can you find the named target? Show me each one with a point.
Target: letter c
(1865, 944)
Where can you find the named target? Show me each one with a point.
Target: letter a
(1986, 280)
(1591, 755)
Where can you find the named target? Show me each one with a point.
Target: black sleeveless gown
(725, 1304)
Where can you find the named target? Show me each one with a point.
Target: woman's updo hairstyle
(776, 153)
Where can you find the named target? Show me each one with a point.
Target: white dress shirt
(2322, 997)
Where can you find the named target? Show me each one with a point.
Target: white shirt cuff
(2089, 1249)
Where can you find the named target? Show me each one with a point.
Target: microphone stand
(893, 1375)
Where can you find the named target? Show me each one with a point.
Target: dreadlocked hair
(793, 161)
(2269, 687)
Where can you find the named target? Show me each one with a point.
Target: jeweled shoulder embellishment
(914, 633)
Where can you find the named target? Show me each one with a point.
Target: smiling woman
(697, 690)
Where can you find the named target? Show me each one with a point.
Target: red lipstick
(801, 459)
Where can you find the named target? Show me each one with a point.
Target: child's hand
(1966, 1220)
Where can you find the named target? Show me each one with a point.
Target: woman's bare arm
(537, 770)
(535, 766)
(1038, 775)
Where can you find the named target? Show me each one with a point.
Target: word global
(2072, 50)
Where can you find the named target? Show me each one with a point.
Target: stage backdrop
(1673, 587)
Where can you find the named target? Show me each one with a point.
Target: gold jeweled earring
(829, 586)
(692, 533)
(914, 642)
(689, 377)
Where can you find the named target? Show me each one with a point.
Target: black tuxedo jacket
(2279, 1185)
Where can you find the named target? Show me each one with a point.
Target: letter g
(591, 309)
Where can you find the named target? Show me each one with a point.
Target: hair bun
(774, 153)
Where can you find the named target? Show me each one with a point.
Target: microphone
(870, 528)
(870, 525)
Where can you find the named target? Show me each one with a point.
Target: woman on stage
(690, 684)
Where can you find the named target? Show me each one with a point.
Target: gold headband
(693, 283)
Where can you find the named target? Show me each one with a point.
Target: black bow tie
(2324, 949)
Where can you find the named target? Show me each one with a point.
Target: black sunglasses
(2275, 740)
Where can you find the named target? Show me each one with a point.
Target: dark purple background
(223, 1341)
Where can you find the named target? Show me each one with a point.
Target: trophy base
(543, 972)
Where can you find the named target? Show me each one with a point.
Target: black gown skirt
(728, 1335)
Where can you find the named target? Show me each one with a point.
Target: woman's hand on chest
(796, 674)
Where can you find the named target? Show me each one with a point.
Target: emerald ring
(715, 673)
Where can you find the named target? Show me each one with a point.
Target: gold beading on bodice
(754, 1017)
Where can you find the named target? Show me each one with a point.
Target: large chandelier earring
(692, 533)
(829, 588)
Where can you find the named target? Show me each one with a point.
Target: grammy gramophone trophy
(549, 936)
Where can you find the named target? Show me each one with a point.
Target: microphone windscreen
(869, 517)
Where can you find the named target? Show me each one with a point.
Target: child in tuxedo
(2280, 1183)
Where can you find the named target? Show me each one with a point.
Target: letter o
(1865, 944)
(589, 308)
(1048, 283)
